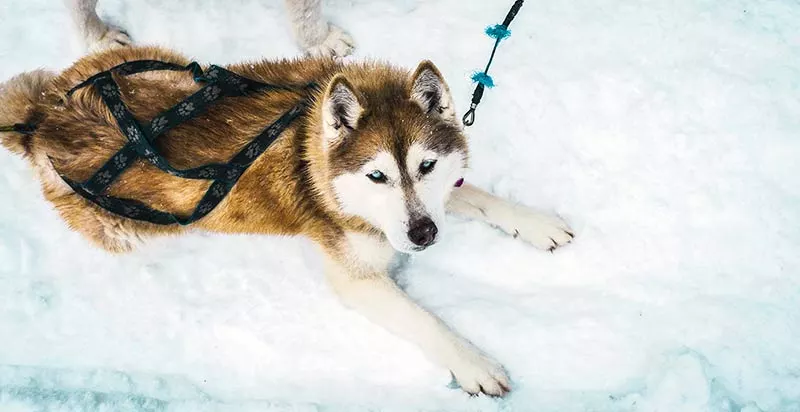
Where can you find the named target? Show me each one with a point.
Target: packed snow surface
(666, 132)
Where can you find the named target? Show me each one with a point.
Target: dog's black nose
(423, 232)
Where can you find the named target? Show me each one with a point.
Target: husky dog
(367, 171)
(313, 33)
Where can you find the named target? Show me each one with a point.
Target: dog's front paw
(543, 231)
(108, 38)
(336, 44)
(477, 373)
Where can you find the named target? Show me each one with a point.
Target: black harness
(218, 82)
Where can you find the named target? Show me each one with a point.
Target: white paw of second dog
(110, 38)
(336, 44)
(477, 373)
(543, 231)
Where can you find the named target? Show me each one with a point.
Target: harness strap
(140, 66)
(19, 128)
(142, 143)
(220, 82)
(136, 210)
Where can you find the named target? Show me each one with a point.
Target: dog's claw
(111, 37)
(477, 374)
(541, 230)
(503, 392)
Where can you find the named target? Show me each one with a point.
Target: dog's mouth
(411, 249)
(421, 248)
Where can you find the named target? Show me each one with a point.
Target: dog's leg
(541, 230)
(315, 34)
(357, 272)
(96, 34)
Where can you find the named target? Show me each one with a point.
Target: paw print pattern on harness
(208, 173)
(253, 151)
(211, 93)
(205, 208)
(218, 191)
(185, 109)
(119, 160)
(119, 110)
(158, 124)
(232, 174)
(109, 90)
(134, 134)
(104, 177)
(212, 74)
(131, 211)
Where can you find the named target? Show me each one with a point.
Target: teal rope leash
(497, 32)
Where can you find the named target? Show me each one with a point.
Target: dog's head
(393, 149)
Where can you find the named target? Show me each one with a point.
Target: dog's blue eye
(426, 166)
(377, 176)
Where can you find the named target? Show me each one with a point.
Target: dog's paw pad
(336, 44)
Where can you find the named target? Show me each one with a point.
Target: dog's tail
(19, 100)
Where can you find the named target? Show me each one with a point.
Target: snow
(665, 132)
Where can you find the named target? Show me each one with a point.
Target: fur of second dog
(367, 171)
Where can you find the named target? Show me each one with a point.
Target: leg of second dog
(96, 34)
(541, 230)
(357, 272)
(315, 34)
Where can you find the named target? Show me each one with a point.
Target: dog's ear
(341, 110)
(430, 92)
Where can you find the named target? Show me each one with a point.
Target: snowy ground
(666, 132)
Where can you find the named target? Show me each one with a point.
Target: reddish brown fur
(286, 191)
